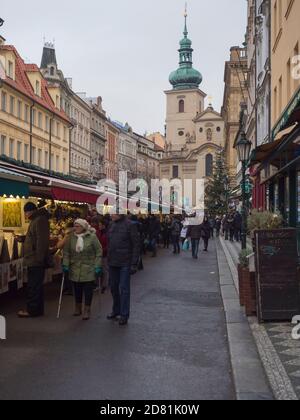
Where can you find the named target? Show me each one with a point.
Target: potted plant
(263, 220)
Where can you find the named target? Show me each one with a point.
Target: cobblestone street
(175, 346)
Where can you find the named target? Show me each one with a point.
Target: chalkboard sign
(278, 296)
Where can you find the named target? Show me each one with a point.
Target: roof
(23, 85)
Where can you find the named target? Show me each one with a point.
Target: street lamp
(243, 148)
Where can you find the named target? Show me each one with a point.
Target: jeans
(176, 243)
(86, 289)
(35, 291)
(119, 278)
(195, 247)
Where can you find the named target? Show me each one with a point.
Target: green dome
(185, 77)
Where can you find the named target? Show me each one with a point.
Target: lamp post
(243, 148)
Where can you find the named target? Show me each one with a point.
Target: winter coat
(36, 245)
(238, 221)
(176, 228)
(82, 265)
(102, 237)
(194, 232)
(123, 244)
(205, 229)
(154, 229)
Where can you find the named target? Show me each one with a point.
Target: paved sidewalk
(175, 346)
(279, 353)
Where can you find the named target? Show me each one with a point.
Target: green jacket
(36, 245)
(82, 265)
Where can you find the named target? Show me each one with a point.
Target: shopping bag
(186, 245)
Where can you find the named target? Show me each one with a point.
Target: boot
(78, 309)
(87, 313)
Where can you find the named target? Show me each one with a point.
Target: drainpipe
(31, 132)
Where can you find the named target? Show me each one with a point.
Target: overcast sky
(124, 50)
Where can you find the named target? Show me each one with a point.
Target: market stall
(14, 191)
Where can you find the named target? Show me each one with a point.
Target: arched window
(209, 134)
(52, 71)
(181, 106)
(209, 165)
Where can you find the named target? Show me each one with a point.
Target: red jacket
(102, 236)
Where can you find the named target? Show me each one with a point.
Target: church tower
(185, 101)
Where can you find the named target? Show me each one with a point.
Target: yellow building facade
(33, 129)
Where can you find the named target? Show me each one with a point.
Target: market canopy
(13, 184)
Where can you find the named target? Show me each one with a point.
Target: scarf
(80, 242)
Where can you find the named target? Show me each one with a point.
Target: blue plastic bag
(186, 245)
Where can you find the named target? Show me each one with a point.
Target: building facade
(33, 127)
(111, 152)
(235, 94)
(81, 115)
(98, 138)
(127, 152)
(194, 134)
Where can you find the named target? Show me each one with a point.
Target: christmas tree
(217, 189)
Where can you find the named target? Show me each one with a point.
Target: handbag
(186, 245)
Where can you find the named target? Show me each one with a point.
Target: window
(10, 69)
(11, 148)
(26, 153)
(57, 130)
(46, 160)
(201, 130)
(57, 164)
(19, 150)
(40, 158)
(33, 157)
(33, 116)
(40, 120)
(180, 133)
(218, 129)
(12, 105)
(37, 88)
(175, 171)
(52, 162)
(20, 110)
(52, 70)
(209, 134)
(3, 145)
(209, 165)
(64, 165)
(47, 124)
(26, 113)
(3, 101)
(181, 106)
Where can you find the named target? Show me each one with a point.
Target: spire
(186, 77)
(49, 55)
(185, 33)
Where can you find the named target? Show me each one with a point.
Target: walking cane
(61, 296)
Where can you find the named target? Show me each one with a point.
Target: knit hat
(83, 223)
(30, 207)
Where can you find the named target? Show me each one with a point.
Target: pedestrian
(166, 233)
(36, 258)
(175, 234)
(68, 286)
(83, 261)
(194, 233)
(138, 224)
(123, 257)
(101, 233)
(153, 233)
(238, 226)
(205, 232)
(212, 224)
(218, 226)
(183, 234)
(230, 226)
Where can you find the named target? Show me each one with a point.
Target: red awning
(63, 194)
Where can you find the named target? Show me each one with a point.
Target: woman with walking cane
(83, 262)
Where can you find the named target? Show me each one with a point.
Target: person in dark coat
(194, 233)
(230, 226)
(165, 231)
(218, 225)
(123, 258)
(205, 228)
(36, 252)
(154, 230)
(175, 234)
(238, 226)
